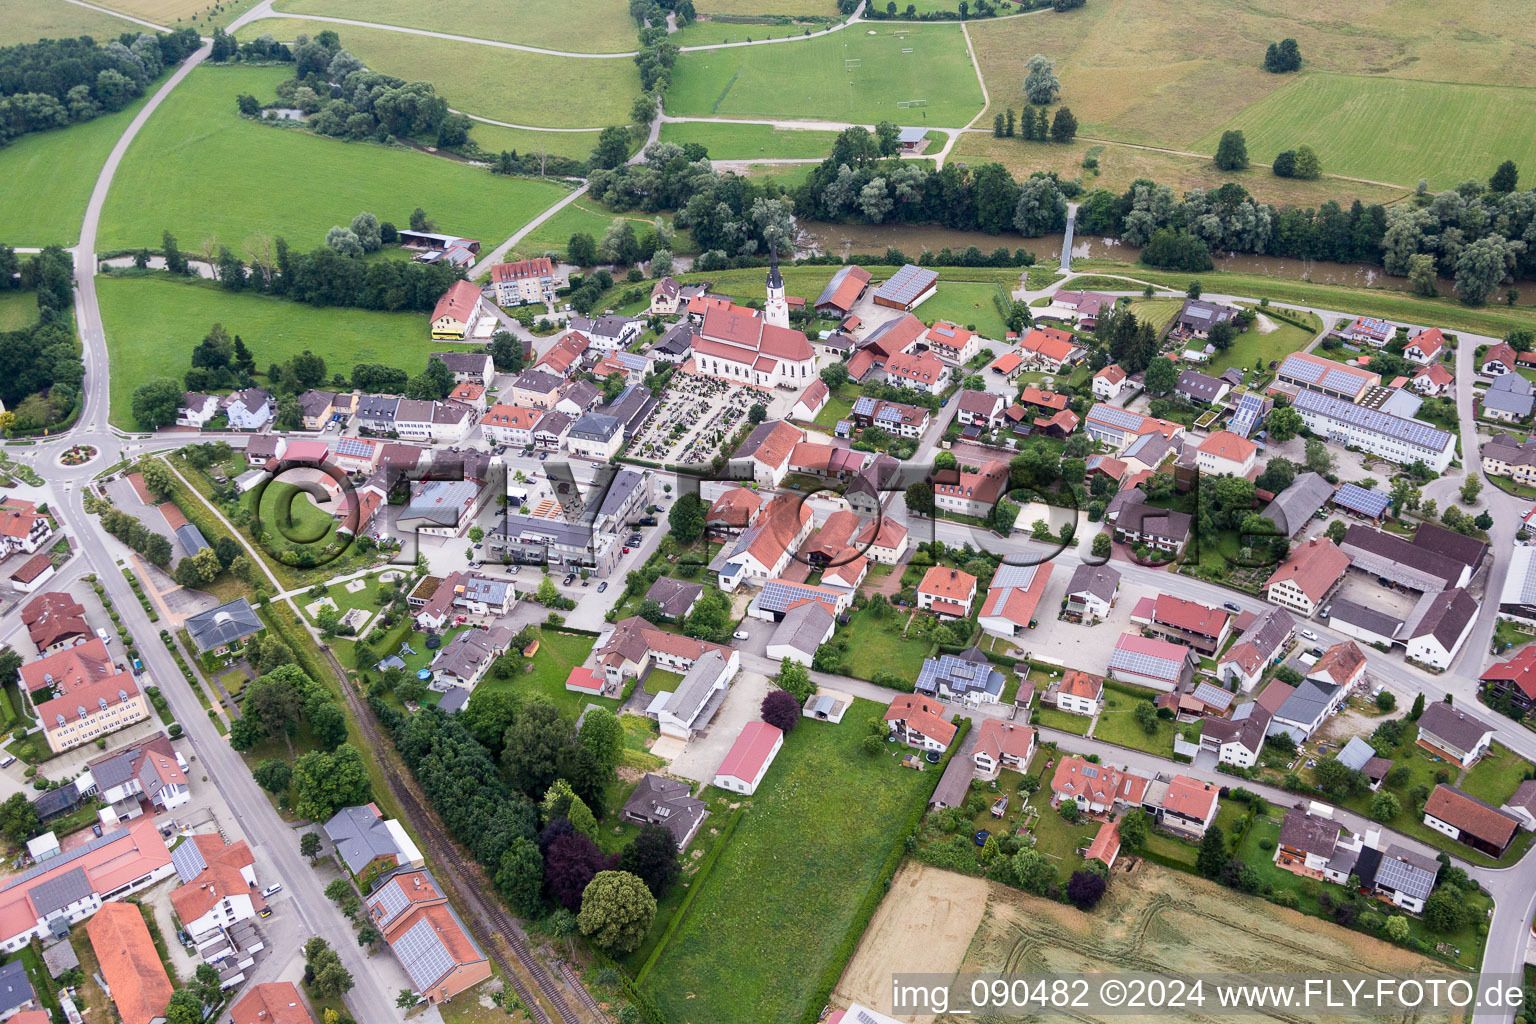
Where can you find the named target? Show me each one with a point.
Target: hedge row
(138, 592)
(190, 676)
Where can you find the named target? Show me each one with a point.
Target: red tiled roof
(564, 353)
(1428, 342)
(1437, 374)
(33, 567)
(515, 417)
(1500, 353)
(585, 678)
(221, 878)
(1099, 783)
(1049, 343)
(276, 1002)
(1018, 604)
(997, 737)
(1081, 684)
(859, 365)
(539, 267)
(777, 445)
(1007, 362)
(52, 617)
(458, 301)
(1471, 815)
(1112, 373)
(923, 715)
(129, 963)
(1032, 395)
(951, 584)
(1226, 445)
(1189, 616)
(1313, 567)
(919, 367)
(778, 523)
(752, 748)
(1519, 671)
(735, 508)
(1106, 843)
(1341, 663)
(1190, 797)
(848, 289)
(985, 486)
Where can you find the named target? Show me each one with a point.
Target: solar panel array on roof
(188, 861)
(354, 446)
(1247, 416)
(865, 406)
(1408, 879)
(1115, 417)
(57, 893)
(1363, 500)
(392, 900)
(1088, 771)
(423, 954)
(907, 284)
(1144, 663)
(1412, 432)
(1330, 376)
(778, 595)
(1212, 695)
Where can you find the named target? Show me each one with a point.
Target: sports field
(508, 85)
(152, 325)
(1394, 130)
(27, 21)
(493, 138)
(863, 75)
(200, 170)
(606, 26)
(749, 141)
(58, 169)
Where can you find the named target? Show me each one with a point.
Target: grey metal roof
(694, 691)
(1355, 753)
(192, 539)
(803, 627)
(454, 700)
(907, 284)
(225, 624)
(1372, 619)
(440, 501)
(15, 989)
(359, 835)
(1304, 705)
(57, 893)
(1366, 501)
(1295, 505)
(1411, 432)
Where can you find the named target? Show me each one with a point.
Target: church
(757, 348)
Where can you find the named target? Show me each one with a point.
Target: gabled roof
(1260, 641)
(1340, 664)
(1471, 815)
(1081, 684)
(1098, 580)
(1190, 616)
(1452, 725)
(1226, 445)
(997, 737)
(1519, 671)
(1309, 833)
(949, 584)
(923, 714)
(220, 878)
(276, 1002)
(844, 288)
(1445, 617)
(770, 443)
(1293, 507)
(1312, 568)
(130, 963)
(1190, 798)
(53, 617)
(1015, 591)
(458, 302)
(751, 750)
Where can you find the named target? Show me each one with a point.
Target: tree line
(41, 383)
(57, 82)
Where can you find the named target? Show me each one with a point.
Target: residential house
(946, 591)
(550, 432)
(806, 625)
(475, 367)
(768, 447)
(1117, 427)
(1012, 598)
(1433, 380)
(920, 371)
(894, 418)
(462, 313)
(1513, 680)
(968, 676)
(883, 540)
(907, 288)
(55, 621)
(1307, 576)
(632, 646)
(315, 408)
(130, 965)
(1508, 399)
(733, 511)
(919, 722)
(196, 409)
(443, 508)
(249, 409)
(1087, 305)
(1308, 840)
(1469, 820)
(675, 345)
(1198, 387)
(1080, 693)
(1150, 662)
(565, 354)
(764, 549)
(1450, 732)
(510, 425)
(811, 401)
(472, 395)
(658, 800)
(1000, 745)
(843, 291)
(1141, 524)
(1109, 382)
(1498, 359)
(526, 281)
(1096, 788)
(262, 449)
(1308, 704)
(1049, 348)
(983, 408)
(1188, 806)
(1427, 346)
(951, 342)
(676, 597)
(1360, 756)
(1226, 454)
(554, 542)
(1197, 316)
(1444, 621)
(1183, 622)
(1262, 645)
(22, 527)
(633, 408)
(666, 297)
(609, 333)
(218, 887)
(1390, 437)
(970, 493)
(463, 660)
(275, 1002)
(595, 436)
(537, 388)
(79, 695)
(1308, 372)
(1295, 506)
(1368, 330)
(356, 454)
(426, 935)
(748, 759)
(148, 775)
(1239, 739)
(1092, 592)
(375, 413)
(370, 844)
(1146, 453)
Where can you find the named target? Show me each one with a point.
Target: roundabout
(77, 455)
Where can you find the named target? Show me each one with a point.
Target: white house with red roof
(811, 401)
(1012, 598)
(951, 342)
(1307, 575)
(1433, 380)
(920, 371)
(22, 527)
(1109, 382)
(510, 424)
(764, 549)
(1226, 454)
(740, 345)
(768, 448)
(80, 695)
(883, 540)
(1096, 788)
(1000, 745)
(1049, 348)
(1080, 693)
(733, 511)
(1188, 806)
(1425, 347)
(918, 721)
(946, 591)
(971, 494)
(526, 281)
(1498, 359)
(219, 885)
(462, 312)
(748, 759)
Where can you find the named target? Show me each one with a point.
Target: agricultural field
(749, 141)
(1160, 73)
(591, 217)
(535, 89)
(494, 138)
(815, 78)
(1119, 166)
(746, 29)
(27, 21)
(18, 309)
(60, 168)
(785, 916)
(1152, 920)
(200, 14)
(1392, 130)
(606, 26)
(152, 325)
(199, 170)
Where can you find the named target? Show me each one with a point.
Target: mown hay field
(605, 25)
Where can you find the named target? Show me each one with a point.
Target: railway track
(498, 932)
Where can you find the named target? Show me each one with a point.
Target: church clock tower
(775, 309)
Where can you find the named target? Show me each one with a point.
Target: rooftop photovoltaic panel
(1410, 432)
(188, 861)
(1247, 416)
(392, 900)
(423, 954)
(865, 406)
(1404, 878)
(1323, 374)
(1361, 499)
(1115, 416)
(1140, 661)
(907, 284)
(778, 595)
(57, 893)
(354, 446)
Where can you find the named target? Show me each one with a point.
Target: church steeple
(775, 308)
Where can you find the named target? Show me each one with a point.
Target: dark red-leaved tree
(781, 710)
(569, 865)
(1085, 889)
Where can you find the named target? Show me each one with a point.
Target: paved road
(120, 14)
(1066, 239)
(495, 255)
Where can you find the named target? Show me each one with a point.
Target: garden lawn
(1119, 725)
(1065, 721)
(1496, 776)
(1158, 311)
(198, 169)
(1256, 346)
(58, 169)
(786, 914)
(969, 304)
(811, 78)
(876, 645)
(660, 680)
(18, 309)
(606, 26)
(749, 141)
(558, 654)
(542, 90)
(838, 407)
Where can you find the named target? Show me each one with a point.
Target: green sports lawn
(198, 169)
(606, 26)
(515, 86)
(810, 79)
(784, 892)
(749, 141)
(50, 175)
(152, 324)
(1392, 130)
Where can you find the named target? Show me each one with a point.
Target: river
(847, 239)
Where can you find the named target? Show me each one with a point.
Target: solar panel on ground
(907, 284)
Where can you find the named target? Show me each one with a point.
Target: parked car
(741, 634)
(543, 456)
(271, 890)
(1309, 634)
(648, 521)
(1232, 606)
(602, 586)
(7, 760)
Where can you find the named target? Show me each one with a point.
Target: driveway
(702, 755)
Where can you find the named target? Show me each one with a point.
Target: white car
(1308, 634)
(741, 634)
(270, 891)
